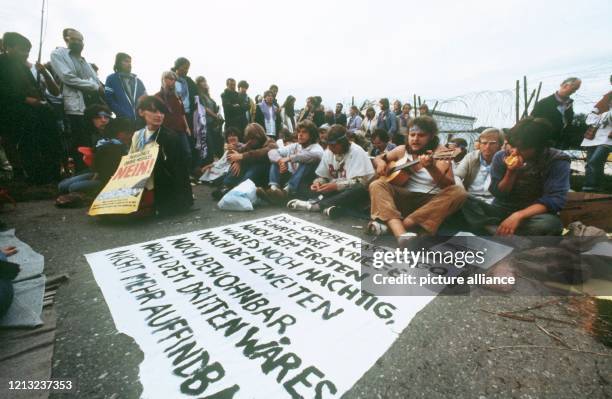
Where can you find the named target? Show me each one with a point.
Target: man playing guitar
(423, 199)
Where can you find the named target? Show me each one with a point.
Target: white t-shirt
(355, 163)
(421, 181)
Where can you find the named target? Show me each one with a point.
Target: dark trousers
(351, 198)
(77, 136)
(477, 215)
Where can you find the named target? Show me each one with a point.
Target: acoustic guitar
(399, 171)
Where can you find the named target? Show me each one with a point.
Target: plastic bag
(240, 198)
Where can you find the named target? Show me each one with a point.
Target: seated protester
(109, 151)
(323, 131)
(266, 114)
(342, 174)
(169, 182)
(460, 143)
(249, 161)
(213, 172)
(97, 118)
(285, 137)
(529, 183)
(381, 143)
(474, 170)
(293, 166)
(428, 197)
(6, 277)
(598, 143)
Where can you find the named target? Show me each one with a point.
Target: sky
(466, 55)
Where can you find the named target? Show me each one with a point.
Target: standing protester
(369, 123)
(424, 110)
(312, 112)
(169, 182)
(354, 121)
(397, 107)
(292, 167)
(559, 111)
(246, 101)
(343, 174)
(288, 114)
(80, 89)
(387, 119)
(174, 115)
(598, 142)
(339, 116)
(274, 89)
(214, 120)
(233, 109)
(123, 89)
(267, 116)
(529, 183)
(427, 197)
(27, 121)
(404, 119)
(185, 87)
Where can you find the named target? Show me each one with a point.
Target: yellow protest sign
(121, 195)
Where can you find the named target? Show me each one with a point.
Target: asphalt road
(444, 352)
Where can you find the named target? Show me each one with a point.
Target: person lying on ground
(292, 168)
(342, 174)
(529, 184)
(427, 195)
(248, 162)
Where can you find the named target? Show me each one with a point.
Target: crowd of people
(59, 121)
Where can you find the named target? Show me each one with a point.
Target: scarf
(199, 127)
(141, 142)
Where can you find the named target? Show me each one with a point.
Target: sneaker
(377, 228)
(299, 205)
(333, 212)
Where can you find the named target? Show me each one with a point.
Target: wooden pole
(526, 113)
(538, 94)
(525, 92)
(415, 106)
(517, 100)
(352, 101)
(419, 101)
(434, 108)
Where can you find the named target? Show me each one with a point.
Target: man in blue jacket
(387, 120)
(123, 89)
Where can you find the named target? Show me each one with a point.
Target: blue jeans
(257, 172)
(304, 175)
(83, 183)
(596, 161)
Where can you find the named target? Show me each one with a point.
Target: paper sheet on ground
(268, 308)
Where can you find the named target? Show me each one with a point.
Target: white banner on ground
(268, 308)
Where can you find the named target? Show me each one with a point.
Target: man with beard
(428, 196)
